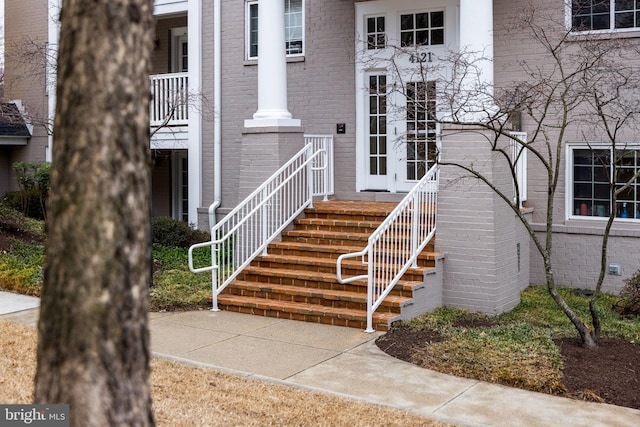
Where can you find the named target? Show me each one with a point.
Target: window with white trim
(592, 170)
(294, 28)
(590, 15)
(376, 36)
(422, 29)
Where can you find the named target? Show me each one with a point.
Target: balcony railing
(169, 100)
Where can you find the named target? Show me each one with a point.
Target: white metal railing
(246, 231)
(323, 179)
(397, 242)
(519, 155)
(169, 99)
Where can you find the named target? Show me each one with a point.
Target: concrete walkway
(346, 362)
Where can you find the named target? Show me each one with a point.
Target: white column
(54, 7)
(272, 68)
(476, 39)
(194, 35)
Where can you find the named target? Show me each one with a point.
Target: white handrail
(395, 245)
(247, 230)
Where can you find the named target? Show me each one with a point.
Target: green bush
(33, 180)
(21, 268)
(172, 233)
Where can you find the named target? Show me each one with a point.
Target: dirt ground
(609, 373)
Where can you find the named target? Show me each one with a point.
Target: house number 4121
(420, 57)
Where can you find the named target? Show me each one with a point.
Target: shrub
(629, 305)
(169, 232)
(33, 180)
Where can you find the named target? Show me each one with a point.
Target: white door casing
(410, 74)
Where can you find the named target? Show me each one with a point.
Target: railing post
(214, 277)
(415, 224)
(325, 184)
(308, 154)
(370, 291)
(265, 222)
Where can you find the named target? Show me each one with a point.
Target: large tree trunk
(93, 351)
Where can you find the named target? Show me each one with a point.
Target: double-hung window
(592, 170)
(294, 28)
(590, 15)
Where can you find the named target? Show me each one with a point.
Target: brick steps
(323, 297)
(305, 312)
(314, 279)
(323, 265)
(297, 279)
(302, 249)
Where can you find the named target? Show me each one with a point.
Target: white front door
(401, 44)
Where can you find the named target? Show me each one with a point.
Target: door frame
(377, 61)
(177, 35)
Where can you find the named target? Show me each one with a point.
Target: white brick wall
(476, 229)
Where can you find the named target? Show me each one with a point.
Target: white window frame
(248, 55)
(376, 34)
(570, 214)
(429, 28)
(610, 29)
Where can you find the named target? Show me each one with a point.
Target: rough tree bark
(93, 350)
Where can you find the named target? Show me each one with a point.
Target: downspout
(217, 112)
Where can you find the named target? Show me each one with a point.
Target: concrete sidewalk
(346, 362)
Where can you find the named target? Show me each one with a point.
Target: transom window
(422, 29)
(592, 172)
(588, 15)
(376, 38)
(294, 28)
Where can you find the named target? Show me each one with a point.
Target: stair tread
(338, 222)
(316, 247)
(313, 276)
(304, 308)
(324, 262)
(342, 249)
(345, 235)
(353, 207)
(314, 292)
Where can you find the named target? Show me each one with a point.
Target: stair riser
(326, 320)
(324, 302)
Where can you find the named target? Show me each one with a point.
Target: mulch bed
(609, 373)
